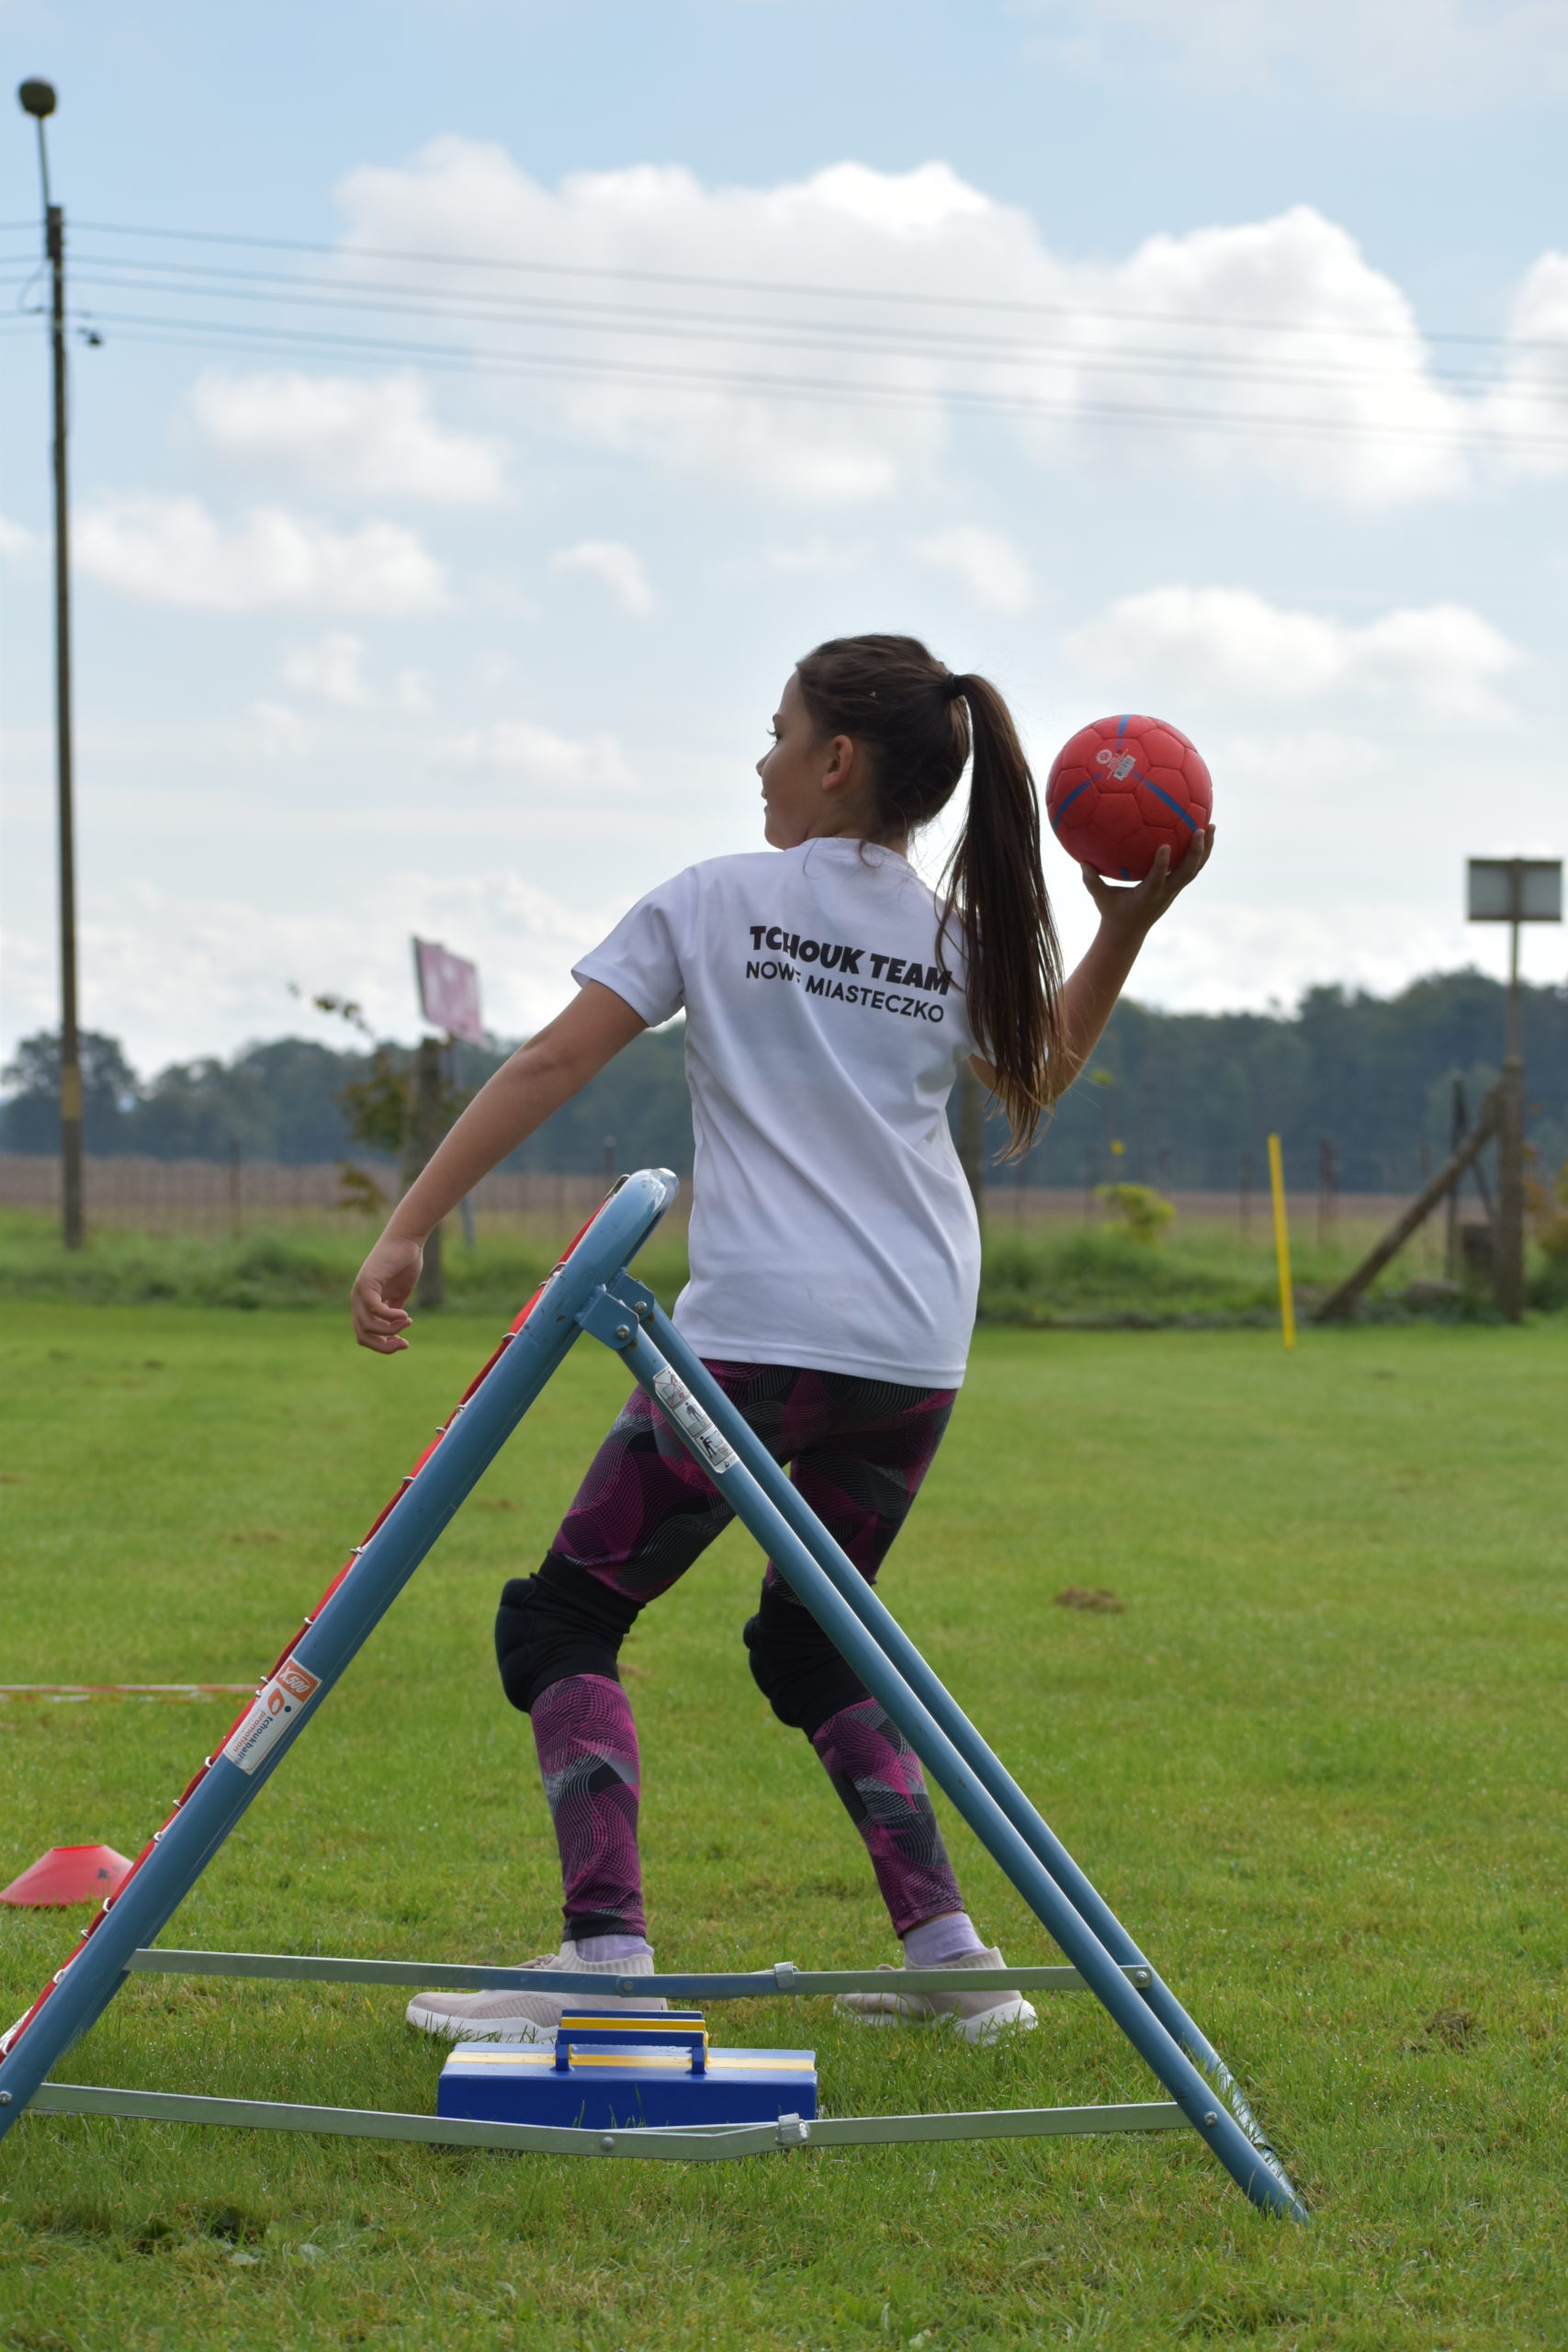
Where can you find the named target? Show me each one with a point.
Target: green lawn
(1317, 1764)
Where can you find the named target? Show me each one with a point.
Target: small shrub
(1136, 1209)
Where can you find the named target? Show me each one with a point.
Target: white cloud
(817, 555)
(367, 436)
(176, 975)
(1306, 359)
(989, 566)
(17, 544)
(1385, 55)
(1222, 955)
(280, 732)
(333, 668)
(617, 567)
(839, 225)
(1269, 348)
(533, 755)
(1442, 661)
(172, 551)
(1529, 408)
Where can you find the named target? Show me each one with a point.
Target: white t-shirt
(831, 1224)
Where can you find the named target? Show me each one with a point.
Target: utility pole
(1510, 1259)
(1514, 890)
(37, 98)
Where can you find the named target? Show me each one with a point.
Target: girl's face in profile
(803, 778)
(790, 777)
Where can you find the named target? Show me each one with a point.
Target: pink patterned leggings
(858, 1451)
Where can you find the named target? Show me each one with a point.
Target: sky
(440, 553)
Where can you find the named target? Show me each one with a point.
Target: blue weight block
(614, 2072)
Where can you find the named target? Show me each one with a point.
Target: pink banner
(448, 991)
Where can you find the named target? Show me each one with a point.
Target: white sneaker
(516, 2015)
(974, 2017)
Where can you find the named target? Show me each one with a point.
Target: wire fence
(235, 1197)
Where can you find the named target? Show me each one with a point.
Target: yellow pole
(1281, 1243)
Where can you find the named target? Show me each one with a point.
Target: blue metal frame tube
(933, 1695)
(619, 1325)
(184, 1847)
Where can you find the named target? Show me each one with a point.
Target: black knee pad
(794, 1664)
(560, 1621)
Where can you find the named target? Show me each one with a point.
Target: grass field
(1060, 1275)
(1317, 1764)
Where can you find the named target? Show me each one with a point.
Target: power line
(830, 293)
(867, 341)
(1212, 368)
(552, 315)
(686, 325)
(185, 334)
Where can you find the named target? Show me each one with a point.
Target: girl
(831, 1002)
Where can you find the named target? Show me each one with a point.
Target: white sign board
(449, 991)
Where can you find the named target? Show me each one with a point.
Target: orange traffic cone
(67, 1874)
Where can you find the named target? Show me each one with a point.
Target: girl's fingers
(377, 1324)
(381, 1336)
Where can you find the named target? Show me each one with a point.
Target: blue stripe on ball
(1174, 805)
(1067, 804)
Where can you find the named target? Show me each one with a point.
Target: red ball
(1123, 786)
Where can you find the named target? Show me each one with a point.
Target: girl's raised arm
(1087, 996)
(542, 1075)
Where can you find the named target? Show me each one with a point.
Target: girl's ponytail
(995, 888)
(918, 722)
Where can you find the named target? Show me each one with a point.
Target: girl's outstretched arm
(542, 1075)
(1127, 915)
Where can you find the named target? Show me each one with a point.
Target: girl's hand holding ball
(1140, 905)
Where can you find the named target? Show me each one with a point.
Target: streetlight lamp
(37, 98)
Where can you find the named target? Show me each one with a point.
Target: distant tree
(640, 1100)
(303, 1082)
(382, 1113)
(1373, 1074)
(1189, 1094)
(29, 1118)
(193, 1110)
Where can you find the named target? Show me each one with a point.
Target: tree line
(1180, 1101)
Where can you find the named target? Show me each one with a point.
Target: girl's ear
(841, 764)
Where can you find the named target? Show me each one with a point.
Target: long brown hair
(920, 723)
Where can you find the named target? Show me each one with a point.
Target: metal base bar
(741, 1984)
(695, 2147)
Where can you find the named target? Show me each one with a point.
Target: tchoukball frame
(591, 1291)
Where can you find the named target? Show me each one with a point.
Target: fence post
(1327, 1185)
(424, 1133)
(1245, 1203)
(1459, 1120)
